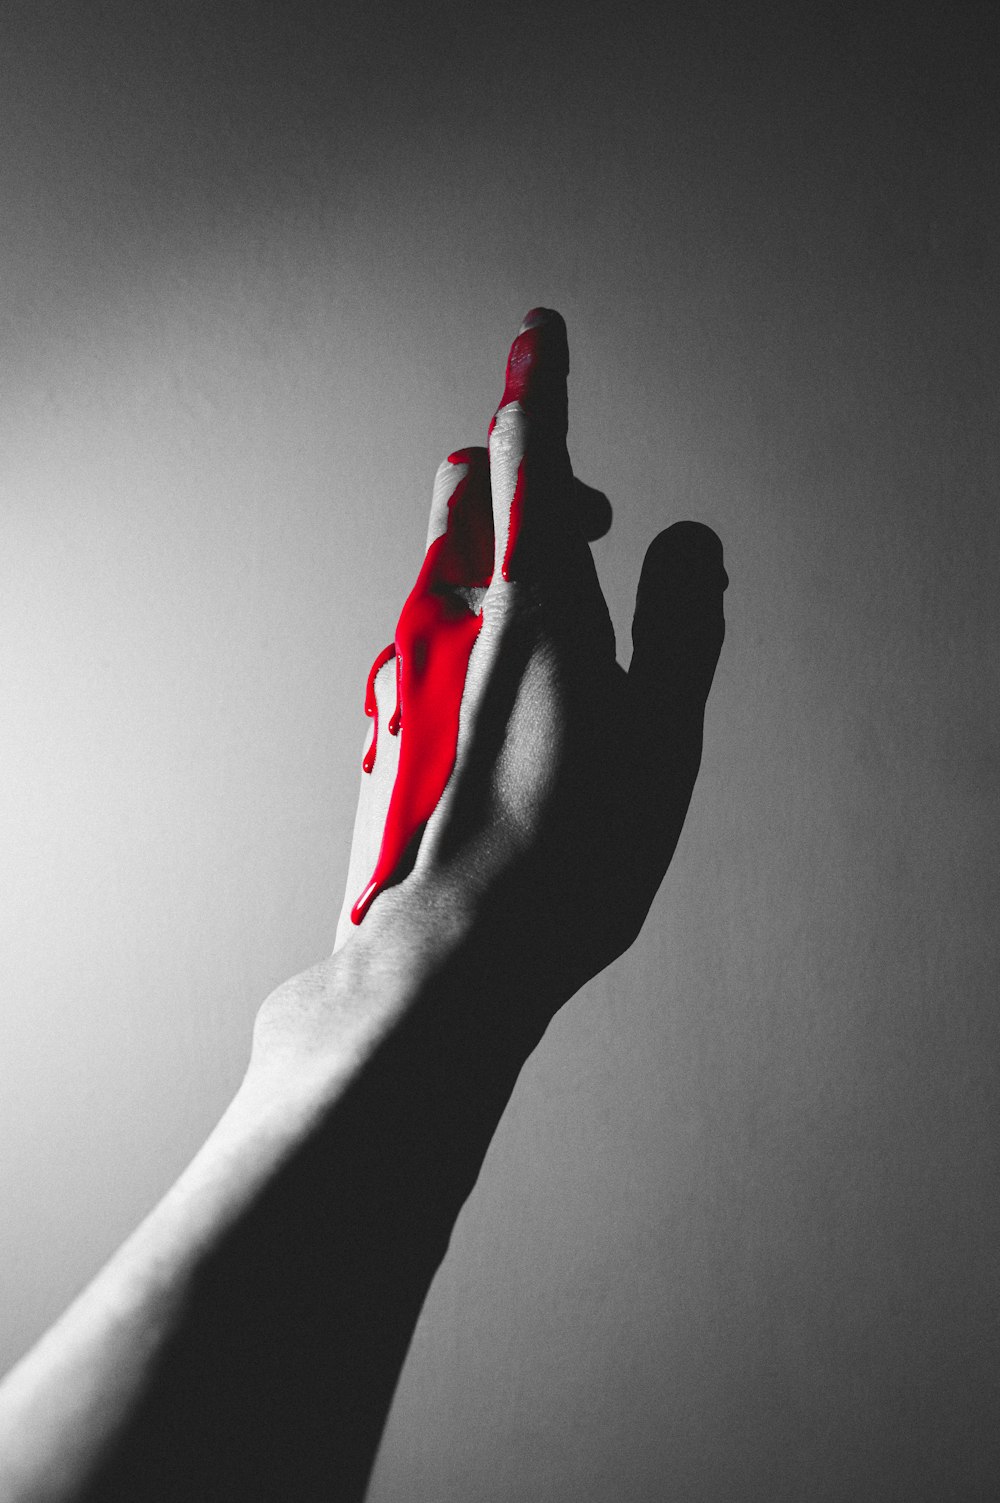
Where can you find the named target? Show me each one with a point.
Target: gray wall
(735, 1238)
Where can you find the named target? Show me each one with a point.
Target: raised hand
(550, 822)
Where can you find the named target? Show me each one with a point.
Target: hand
(571, 777)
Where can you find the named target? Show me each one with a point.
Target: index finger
(530, 473)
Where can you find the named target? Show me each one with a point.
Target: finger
(530, 473)
(454, 472)
(460, 528)
(677, 636)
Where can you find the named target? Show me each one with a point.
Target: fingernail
(535, 317)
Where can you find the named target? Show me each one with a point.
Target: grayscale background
(736, 1236)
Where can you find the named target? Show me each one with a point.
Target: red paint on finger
(371, 703)
(434, 639)
(537, 367)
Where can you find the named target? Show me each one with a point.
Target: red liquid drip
(434, 637)
(371, 704)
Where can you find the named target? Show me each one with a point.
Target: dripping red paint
(434, 638)
(438, 627)
(371, 704)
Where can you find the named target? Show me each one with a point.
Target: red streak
(434, 638)
(521, 363)
(514, 525)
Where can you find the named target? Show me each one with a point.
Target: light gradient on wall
(735, 1237)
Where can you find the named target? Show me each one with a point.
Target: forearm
(246, 1341)
(74, 1396)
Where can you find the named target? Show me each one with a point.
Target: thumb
(677, 636)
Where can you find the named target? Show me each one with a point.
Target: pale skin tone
(245, 1342)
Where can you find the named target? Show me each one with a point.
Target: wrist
(417, 957)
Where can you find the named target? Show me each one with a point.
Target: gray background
(735, 1238)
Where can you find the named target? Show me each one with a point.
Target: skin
(245, 1342)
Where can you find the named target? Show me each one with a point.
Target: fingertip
(537, 368)
(474, 455)
(535, 318)
(683, 567)
(462, 467)
(462, 512)
(679, 626)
